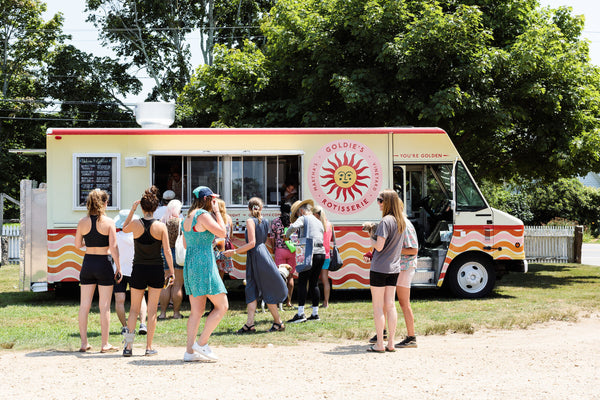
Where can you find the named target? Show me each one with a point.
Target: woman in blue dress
(262, 276)
(200, 272)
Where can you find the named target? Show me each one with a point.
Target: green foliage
(100, 81)
(510, 199)
(511, 83)
(155, 34)
(567, 199)
(26, 42)
(563, 202)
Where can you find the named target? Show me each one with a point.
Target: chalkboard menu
(95, 173)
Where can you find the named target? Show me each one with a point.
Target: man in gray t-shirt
(387, 261)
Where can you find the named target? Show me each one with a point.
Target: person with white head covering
(161, 210)
(174, 293)
(125, 245)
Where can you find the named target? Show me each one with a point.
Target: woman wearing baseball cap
(200, 273)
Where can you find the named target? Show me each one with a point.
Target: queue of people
(151, 266)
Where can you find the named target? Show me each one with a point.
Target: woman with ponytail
(262, 275)
(98, 234)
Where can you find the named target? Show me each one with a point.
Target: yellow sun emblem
(344, 177)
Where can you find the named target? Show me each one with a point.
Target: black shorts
(379, 279)
(96, 269)
(144, 276)
(121, 287)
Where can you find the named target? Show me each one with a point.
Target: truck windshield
(468, 197)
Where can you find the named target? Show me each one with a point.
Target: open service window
(236, 177)
(96, 171)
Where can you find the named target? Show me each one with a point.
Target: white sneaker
(143, 329)
(194, 357)
(205, 351)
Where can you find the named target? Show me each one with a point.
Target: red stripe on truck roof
(239, 131)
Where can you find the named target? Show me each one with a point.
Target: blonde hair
(255, 206)
(96, 202)
(392, 205)
(222, 209)
(318, 211)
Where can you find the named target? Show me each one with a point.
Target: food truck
(463, 242)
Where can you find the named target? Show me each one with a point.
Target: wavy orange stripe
(53, 269)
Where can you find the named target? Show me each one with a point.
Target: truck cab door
(473, 216)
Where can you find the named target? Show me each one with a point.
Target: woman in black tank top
(96, 269)
(150, 236)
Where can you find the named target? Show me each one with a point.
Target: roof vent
(155, 114)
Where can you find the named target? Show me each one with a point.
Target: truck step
(423, 277)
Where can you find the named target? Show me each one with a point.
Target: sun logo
(344, 176)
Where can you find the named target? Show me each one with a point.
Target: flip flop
(390, 350)
(110, 349)
(373, 350)
(85, 349)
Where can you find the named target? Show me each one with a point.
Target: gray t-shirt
(313, 228)
(387, 261)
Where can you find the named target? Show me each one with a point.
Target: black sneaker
(297, 318)
(313, 318)
(374, 338)
(408, 342)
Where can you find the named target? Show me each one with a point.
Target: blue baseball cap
(202, 191)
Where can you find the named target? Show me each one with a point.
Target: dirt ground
(557, 360)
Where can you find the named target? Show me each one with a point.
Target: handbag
(304, 253)
(179, 249)
(335, 258)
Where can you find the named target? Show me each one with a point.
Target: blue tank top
(94, 238)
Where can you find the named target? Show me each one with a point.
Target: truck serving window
(468, 197)
(95, 171)
(236, 178)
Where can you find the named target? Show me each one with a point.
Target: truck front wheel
(472, 277)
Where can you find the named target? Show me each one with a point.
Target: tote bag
(334, 255)
(304, 253)
(179, 249)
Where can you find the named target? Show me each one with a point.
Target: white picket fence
(549, 244)
(12, 233)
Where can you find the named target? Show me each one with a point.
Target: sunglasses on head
(379, 200)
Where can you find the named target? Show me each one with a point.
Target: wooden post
(578, 243)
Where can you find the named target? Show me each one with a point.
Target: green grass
(562, 292)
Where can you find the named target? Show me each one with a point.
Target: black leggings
(312, 278)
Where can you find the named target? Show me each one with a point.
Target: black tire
(471, 277)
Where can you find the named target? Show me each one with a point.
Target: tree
(26, 41)
(91, 88)
(511, 83)
(155, 34)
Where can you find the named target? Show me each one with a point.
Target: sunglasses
(379, 200)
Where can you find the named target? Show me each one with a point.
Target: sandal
(277, 327)
(109, 349)
(246, 329)
(85, 349)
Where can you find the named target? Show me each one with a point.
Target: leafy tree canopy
(155, 35)
(26, 41)
(510, 82)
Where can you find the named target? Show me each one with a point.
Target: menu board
(95, 173)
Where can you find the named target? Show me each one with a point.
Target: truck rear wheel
(471, 277)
